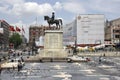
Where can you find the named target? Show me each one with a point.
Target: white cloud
(105, 6)
(31, 8)
(74, 7)
(11, 2)
(58, 6)
(4, 8)
(26, 8)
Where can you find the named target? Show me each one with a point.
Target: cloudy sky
(24, 12)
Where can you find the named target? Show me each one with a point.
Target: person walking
(100, 60)
(0, 69)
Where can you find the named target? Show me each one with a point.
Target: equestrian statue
(52, 21)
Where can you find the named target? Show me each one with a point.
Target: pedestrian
(28, 52)
(22, 59)
(69, 51)
(0, 69)
(19, 66)
(21, 53)
(104, 54)
(13, 67)
(18, 54)
(99, 59)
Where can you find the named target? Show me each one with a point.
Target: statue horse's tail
(61, 21)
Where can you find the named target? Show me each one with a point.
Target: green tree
(16, 40)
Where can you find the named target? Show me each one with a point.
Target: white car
(12, 64)
(78, 59)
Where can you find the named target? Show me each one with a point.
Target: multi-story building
(112, 31)
(69, 33)
(86, 30)
(35, 32)
(4, 37)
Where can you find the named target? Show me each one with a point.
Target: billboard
(1, 30)
(90, 29)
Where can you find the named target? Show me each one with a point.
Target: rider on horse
(51, 20)
(53, 16)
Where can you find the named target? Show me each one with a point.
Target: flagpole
(14, 29)
(22, 30)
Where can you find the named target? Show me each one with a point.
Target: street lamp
(75, 48)
(33, 46)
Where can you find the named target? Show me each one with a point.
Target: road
(65, 71)
(108, 69)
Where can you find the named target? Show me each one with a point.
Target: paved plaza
(66, 71)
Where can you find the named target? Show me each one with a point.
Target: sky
(29, 12)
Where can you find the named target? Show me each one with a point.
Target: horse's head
(46, 18)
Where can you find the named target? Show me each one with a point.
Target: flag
(23, 30)
(18, 29)
(11, 28)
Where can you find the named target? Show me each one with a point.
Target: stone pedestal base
(53, 45)
(53, 53)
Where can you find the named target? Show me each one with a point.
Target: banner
(1, 30)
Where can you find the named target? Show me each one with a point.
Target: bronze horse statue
(50, 21)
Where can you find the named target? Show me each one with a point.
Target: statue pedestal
(53, 45)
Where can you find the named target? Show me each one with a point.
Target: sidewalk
(97, 54)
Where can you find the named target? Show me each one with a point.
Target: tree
(16, 40)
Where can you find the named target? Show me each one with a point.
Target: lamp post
(33, 46)
(75, 48)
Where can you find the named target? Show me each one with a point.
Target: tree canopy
(16, 40)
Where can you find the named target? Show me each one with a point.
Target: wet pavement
(63, 71)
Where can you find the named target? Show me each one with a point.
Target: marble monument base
(53, 45)
(53, 53)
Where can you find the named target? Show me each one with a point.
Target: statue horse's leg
(49, 26)
(58, 26)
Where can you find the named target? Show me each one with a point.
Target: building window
(85, 31)
(116, 31)
(117, 36)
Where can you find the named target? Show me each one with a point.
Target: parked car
(12, 63)
(77, 59)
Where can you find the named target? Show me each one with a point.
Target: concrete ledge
(46, 59)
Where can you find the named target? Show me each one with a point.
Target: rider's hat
(52, 12)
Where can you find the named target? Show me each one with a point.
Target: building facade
(4, 36)
(112, 31)
(86, 30)
(69, 33)
(35, 32)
